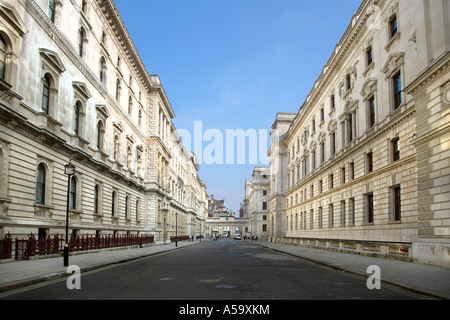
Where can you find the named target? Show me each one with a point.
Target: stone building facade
(73, 88)
(257, 193)
(364, 165)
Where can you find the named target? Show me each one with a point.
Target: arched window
(46, 95)
(51, 10)
(73, 193)
(96, 199)
(2, 58)
(40, 184)
(77, 119)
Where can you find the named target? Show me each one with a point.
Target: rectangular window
(350, 127)
(369, 207)
(343, 213)
(351, 171)
(351, 211)
(396, 203)
(3, 51)
(51, 10)
(332, 143)
(348, 83)
(397, 90)
(371, 106)
(342, 175)
(322, 115)
(313, 159)
(264, 205)
(322, 152)
(330, 182)
(320, 186)
(73, 193)
(369, 55)
(332, 102)
(395, 147)
(46, 96)
(393, 26)
(330, 215)
(137, 210)
(369, 162)
(320, 218)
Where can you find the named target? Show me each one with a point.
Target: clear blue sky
(233, 64)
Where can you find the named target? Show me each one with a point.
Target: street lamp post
(69, 170)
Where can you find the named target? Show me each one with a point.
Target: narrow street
(226, 269)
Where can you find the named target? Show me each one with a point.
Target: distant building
(216, 208)
(221, 221)
(257, 195)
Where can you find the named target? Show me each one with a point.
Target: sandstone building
(257, 193)
(74, 88)
(364, 166)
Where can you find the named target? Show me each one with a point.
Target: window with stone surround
(102, 71)
(342, 215)
(46, 94)
(2, 58)
(351, 211)
(41, 184)
(371, 112)
(368, 208)
(396, 203)
(76, 125)
(138, 209)
(97, 199)
(369, 56)
(397, 90)
(395, 149)
(330, 214)
(114, 203)
(393, 26)
(73, 193)
(51, 10)
(320, 218)
(369, 162)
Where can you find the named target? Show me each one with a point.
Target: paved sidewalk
(18, 274)
(421, 278)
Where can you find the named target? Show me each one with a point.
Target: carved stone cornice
(117, 25)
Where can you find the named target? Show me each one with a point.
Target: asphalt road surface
(227, 269)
